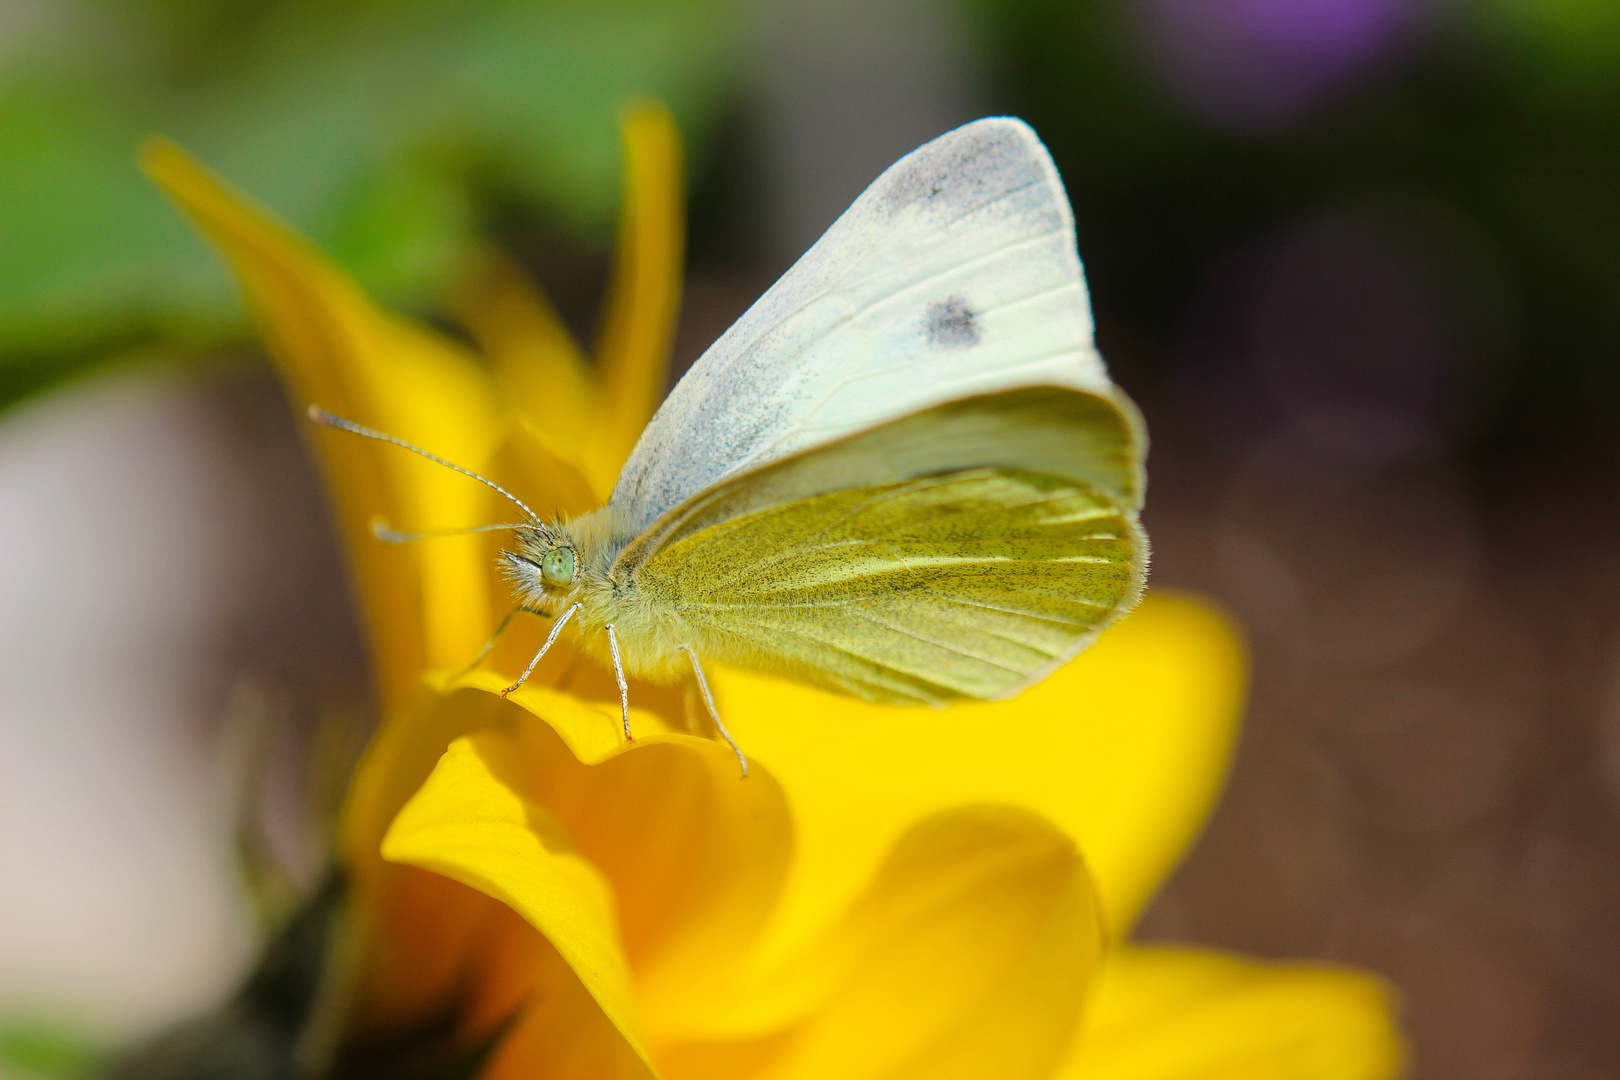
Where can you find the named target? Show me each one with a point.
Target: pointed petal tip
(174, 169)
(646, 109)
(154, 152)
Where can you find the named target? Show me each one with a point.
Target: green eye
(557, 568)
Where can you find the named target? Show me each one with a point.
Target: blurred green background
(394, 133)
(1359, 261)
(390, 132)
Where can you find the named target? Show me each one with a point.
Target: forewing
(954, 274)
(967, 585)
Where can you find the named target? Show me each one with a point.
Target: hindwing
(970, 584)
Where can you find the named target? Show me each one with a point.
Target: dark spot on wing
(951, 324)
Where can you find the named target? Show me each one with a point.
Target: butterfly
(903, 474)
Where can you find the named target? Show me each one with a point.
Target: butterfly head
(545, 567)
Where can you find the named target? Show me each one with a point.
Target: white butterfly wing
(954, 274)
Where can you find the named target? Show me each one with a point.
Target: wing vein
(965, 602)
(927, 639)
(832, 523)
(920, 284)
(802, 633)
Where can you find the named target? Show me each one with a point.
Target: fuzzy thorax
(559, 564)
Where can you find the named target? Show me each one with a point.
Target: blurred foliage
(394, 132)
(37, 1049)
(1502, 114)
(256, 1034)
(387, 130)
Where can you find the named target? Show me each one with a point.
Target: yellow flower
(893, 893)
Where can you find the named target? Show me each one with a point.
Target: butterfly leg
(499, 630)
(714, 714)
(624, 687)
(556, 628)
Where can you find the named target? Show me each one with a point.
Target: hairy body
(649, 629)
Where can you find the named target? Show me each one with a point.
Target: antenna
(381, 530)
(320, 416)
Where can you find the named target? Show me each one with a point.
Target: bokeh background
(1358, 260)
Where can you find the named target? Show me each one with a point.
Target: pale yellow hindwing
(970, 584)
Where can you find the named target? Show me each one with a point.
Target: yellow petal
(423, 936)
(425, 605)
(409, 743)
(644, 299)
(469, 825)
(561, 1033)
(429, 939)
(535, 358)
(554, 481)
(968, 956)
(1183, 1014)
(695, 853)
(1124, 749)
(432, 949)
(401, 755)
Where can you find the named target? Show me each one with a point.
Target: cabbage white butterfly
(903, 474)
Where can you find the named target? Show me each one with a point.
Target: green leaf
(30, 1048)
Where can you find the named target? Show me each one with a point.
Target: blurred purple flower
(1257, 65)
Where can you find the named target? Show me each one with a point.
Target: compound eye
(557, 568)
